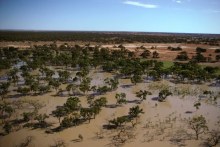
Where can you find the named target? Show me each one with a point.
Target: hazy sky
(189, 16)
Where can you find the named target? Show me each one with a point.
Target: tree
(113, 83)
(47, 72)
(6, 110)
(182, 56)
(155, 74)
(23, 90)
(55, 84)
(59, 112)
(155, 54)
(85, 85)
(120, 98)
(41, 119)
(12, 75)
(29, 79)
(103, 89)
(28, 140)
(95, 110)
(43, 89)
(83, 73)
(135, 111)
(197, 105)
(101, 102)
(7, 127)
(27, 116)
(96, 61)
(143, 94)
(67, 122)
(4, 89)
(217, 57)
(199, 50)
(34, 87)
(63, 76)
(86, 113)
(198, 125)
(117, 122)
(72, 104)
(174, 48)
(136, 78)
(80, 137)
(90, 99)
(64, 59)
(146, 53)
(199, 58)
(71, 87)
(163, 94)
(214, 138)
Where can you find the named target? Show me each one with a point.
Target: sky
(180, 16)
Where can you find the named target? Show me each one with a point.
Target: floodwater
(174, 111)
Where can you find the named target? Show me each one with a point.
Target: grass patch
(218, 71)
(167, 64)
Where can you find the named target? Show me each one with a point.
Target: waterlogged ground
(162, 124)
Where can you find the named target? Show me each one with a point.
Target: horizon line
(44, 30)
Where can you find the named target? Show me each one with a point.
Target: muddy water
(174, 106)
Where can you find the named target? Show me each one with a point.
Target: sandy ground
(175, 107)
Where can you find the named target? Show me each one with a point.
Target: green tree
(6, 110)
(43, 89)
(95, 110)
(47, 72)
(163, 94)
(34, 87)
(64, 59)
(136, 78)
(119, 121)
(41, 119)
(101, 102)
(27, 116)
(198, 125)
(85, 85)
(103, 89)
(29, 79)
(86, 113)
(182, 56)
(4, 89)
(155, 54)
(23, 90)
(112, 82)
(12, 76)
(55, 84)
(120, 98)
(59, 113)
(197, 105)
(135, 111)
(71, 87)
(146, 53)
(7, 127)
(142, 94)
(214, 138)
(67, 122)
(199, 58)
(72, 104)
(63, 76)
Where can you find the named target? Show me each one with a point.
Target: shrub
(163, 94)
(199, 50)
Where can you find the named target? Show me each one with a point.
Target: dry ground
(161, 48)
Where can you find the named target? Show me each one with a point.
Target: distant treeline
(109, 37)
